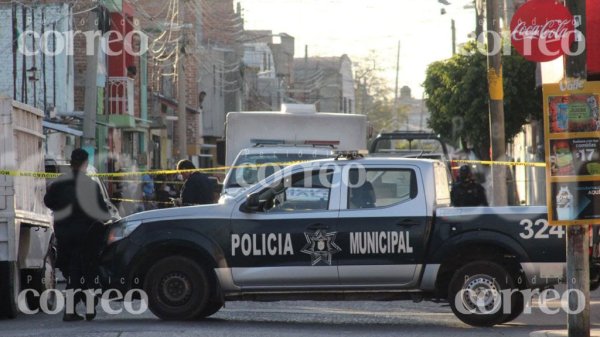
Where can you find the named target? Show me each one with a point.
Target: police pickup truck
(338, 229)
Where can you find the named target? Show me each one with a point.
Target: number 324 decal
(540, 229)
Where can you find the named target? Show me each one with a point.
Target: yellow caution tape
(204, 170)
(141, 173)
(141, 181)
(225, 168)
(143, 201)
(505, 163)
(29, 174)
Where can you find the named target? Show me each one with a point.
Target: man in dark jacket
(467, 192)
(197, 189)
(77, 203)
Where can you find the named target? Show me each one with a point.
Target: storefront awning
(62, 128)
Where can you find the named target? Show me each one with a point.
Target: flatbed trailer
(27, 252)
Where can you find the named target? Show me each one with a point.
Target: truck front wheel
(211, 308)
(177, 288)
(477, 293)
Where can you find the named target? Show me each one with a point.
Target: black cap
(185, 164)
(78, 157)
(465, 169)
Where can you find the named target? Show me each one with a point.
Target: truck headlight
(121, 230)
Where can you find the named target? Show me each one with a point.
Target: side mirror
(252, 203)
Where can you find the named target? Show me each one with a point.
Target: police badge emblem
(320, 245)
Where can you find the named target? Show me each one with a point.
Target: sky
(355, 27)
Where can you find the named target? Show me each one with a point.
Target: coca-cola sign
(542, 30)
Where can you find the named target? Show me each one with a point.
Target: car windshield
(249, 169)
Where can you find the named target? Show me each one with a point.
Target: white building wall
(59, 146)
(348, 85)
(530, 181)
(54, 73)
(6, 70)
(211, 81)
(259, 55)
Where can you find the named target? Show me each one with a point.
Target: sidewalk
(559, 333)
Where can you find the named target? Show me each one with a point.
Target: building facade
(327, 82)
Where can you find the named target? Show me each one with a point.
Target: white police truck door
(292, 243)
(382, 227)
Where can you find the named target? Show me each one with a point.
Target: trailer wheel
(178, 288)
(475, 293)
(9, 288)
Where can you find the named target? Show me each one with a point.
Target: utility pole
(506, 9)
(91, 90)
(306, 93)
(181, 88)
(396, 117)
(496, 103)
(578, 237)
(479, 15)
(453, 28)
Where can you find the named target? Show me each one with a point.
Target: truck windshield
(408, 147)
(249, 169)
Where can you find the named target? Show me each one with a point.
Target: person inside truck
(361, 195)
(78, 204)
(466, 191)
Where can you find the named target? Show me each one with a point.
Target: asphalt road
(303, 318)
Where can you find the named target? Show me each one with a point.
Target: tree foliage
(374, 96)
(457, 97)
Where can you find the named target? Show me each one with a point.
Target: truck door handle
(317, 227)
(407, 223)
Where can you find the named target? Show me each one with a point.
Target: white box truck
(27, 252)
(255, 139)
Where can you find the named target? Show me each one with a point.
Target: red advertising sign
(542, 30)
(592, 36)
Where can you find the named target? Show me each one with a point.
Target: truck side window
(380, 187)
(304, 191)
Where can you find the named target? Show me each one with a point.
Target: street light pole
(91, 90)
(496, 103)
(578, 237)
(453, 28)
(396, 117)
(181, 89)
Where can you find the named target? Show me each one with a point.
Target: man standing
(197, 189)
(77, 203)
(467, 192)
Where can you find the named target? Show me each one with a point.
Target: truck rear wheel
(178, 288)
(518, 305)
(9, 288)
(475, 293)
